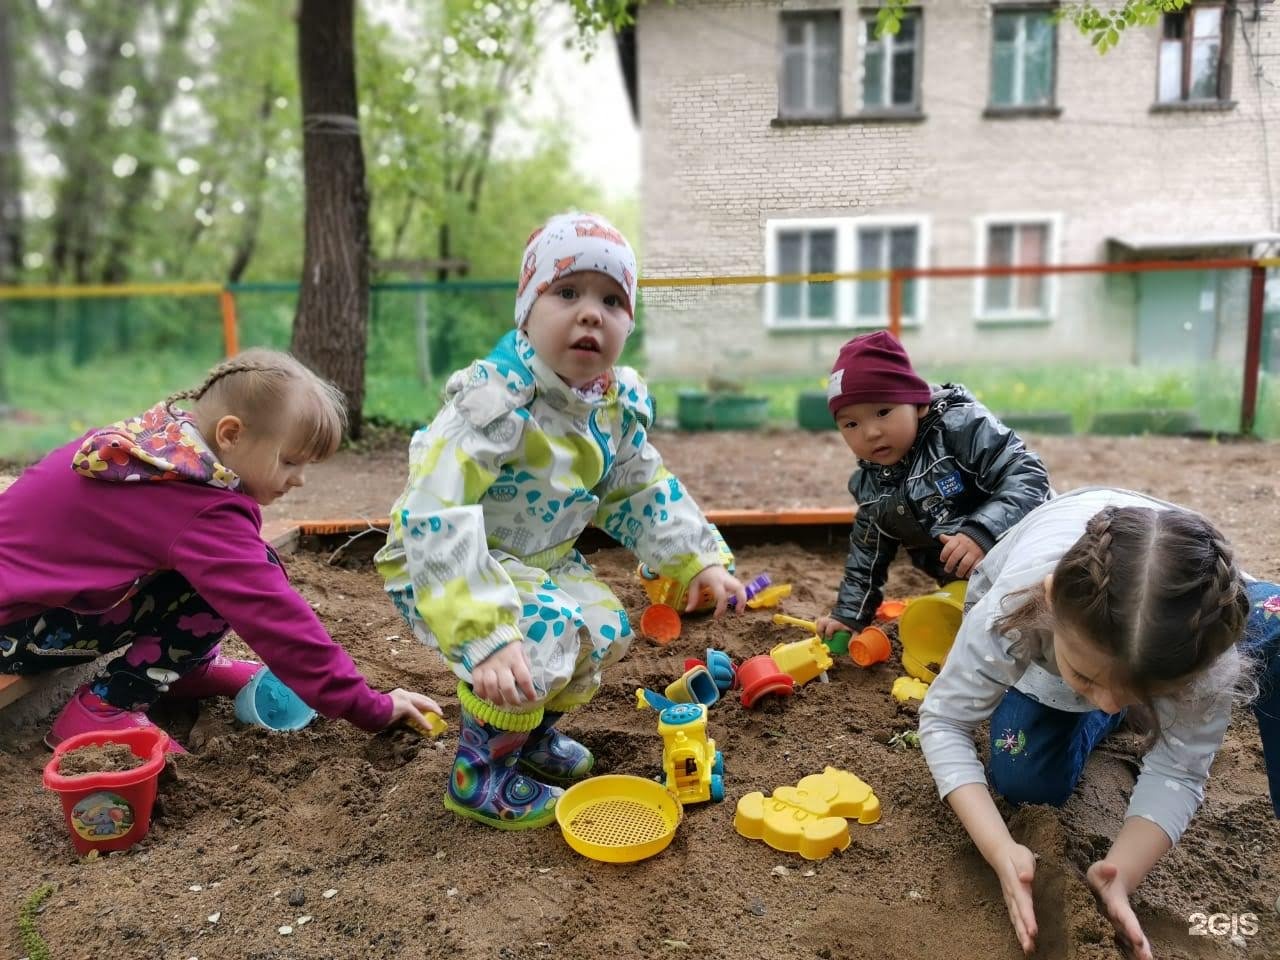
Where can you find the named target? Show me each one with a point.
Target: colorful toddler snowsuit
(481, 548)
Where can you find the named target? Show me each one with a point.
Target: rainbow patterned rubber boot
(484, 784)
(552, 756)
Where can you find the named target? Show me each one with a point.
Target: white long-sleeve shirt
(983, 664)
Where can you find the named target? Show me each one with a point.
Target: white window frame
(846, 230)
(1186, 52)
(843, 304)
(1020, 60)
(1053, 251)
(890, 45)
(921, 224)
(808, 18)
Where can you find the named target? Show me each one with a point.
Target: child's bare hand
(960, 554)
(1113, 899)
(1015, 865)
(503, 677)
(721, 584)
(407, 705)
(828, 626)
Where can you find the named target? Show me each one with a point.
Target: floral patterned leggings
(167, 627)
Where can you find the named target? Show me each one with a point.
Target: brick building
(786, 137)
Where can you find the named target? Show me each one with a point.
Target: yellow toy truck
(693, 767)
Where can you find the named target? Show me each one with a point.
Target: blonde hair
(274, 393)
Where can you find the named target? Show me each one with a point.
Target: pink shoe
(87, 711)
(219, 677)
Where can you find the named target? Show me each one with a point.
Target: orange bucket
(870, 647)
(660, 623)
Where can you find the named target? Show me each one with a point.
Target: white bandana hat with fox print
(573, 243)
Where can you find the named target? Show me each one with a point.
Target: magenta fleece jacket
(69, 541)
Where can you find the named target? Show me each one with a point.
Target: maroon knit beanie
(873, 368)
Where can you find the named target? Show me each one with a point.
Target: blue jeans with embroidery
(1038, 752)
(1262, 643)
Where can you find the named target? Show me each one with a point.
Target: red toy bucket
(109, 811)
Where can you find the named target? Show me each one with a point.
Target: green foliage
(28, 932)
(1102, 28)
(905, 740)
(163, 140)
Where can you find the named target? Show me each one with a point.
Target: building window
(810, 65)
(806, 251)
(891, 65)
(842, 245)
(1022, 58)
(1193, 61)
(1017, 242)
(885, 248)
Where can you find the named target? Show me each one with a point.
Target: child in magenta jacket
(146, 535)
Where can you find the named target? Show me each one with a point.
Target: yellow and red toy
(809, 818)
(691, 764)
(665, 590)
(802, 660)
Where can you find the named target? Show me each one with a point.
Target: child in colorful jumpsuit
(536, 441)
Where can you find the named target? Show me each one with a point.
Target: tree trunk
(331, 329)
(10, 192)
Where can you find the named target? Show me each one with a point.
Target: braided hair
(1156, 589)
(273, 393)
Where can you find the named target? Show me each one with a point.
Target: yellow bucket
(617, 818)
(927, 629)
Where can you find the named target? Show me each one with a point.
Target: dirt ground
(253, 829)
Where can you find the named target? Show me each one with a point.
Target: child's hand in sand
(409, 706)
(1015, 865)
(721, 584)
(828, 626)
(1107, 886)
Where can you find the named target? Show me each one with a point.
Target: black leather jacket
(966, 473)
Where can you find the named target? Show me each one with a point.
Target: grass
(52, 400)
(28, 931)
(1080, 391)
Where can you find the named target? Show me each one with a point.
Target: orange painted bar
(895, 307)
(230, 323)
(727, 519)
(1045, 269)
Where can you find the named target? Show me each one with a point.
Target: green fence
(1172, 349)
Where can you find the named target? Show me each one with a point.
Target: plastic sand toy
(693, 767)
(267, 702)
(617, 818)
(110, 810)
(891, 609)
(927, 629)
(760, 677)
(434, 727)
(906, 689)
(809, 818)
(769, 596)
(722, 669)
(696, 685)
(837, 643)
(660, 623)
(802, 660)
(870, 647)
